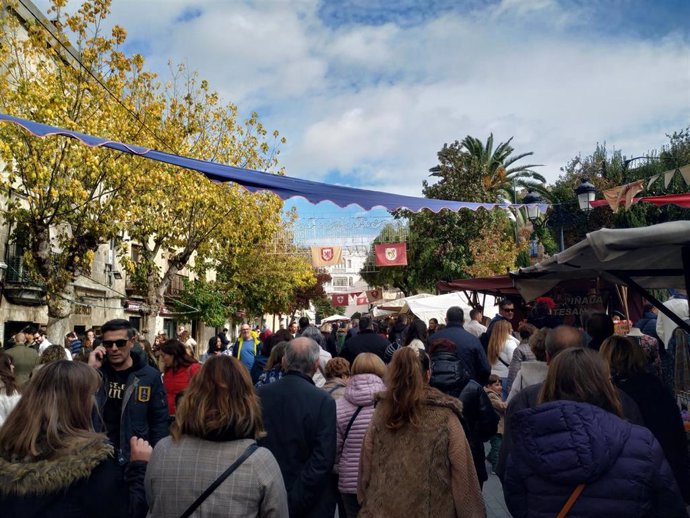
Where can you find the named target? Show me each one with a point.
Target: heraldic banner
(340, 299)
(391, 254)
(326, 255)
(373, 295)
(362, 300)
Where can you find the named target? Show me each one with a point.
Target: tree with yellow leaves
(66, 199)
(495, 252)
(193, 222)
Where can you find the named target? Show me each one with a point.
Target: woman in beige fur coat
(415, 458)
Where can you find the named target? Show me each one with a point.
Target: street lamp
(532, 200)
(586, 192)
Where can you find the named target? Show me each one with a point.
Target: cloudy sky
(367, 91)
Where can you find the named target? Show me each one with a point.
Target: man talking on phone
(131, 398)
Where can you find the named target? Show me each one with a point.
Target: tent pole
(685, 255)
(654, 301)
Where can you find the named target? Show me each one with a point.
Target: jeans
(495, 443)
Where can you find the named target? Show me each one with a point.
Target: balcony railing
(17, 272)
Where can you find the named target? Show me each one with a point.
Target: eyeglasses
(509, 310)
(118, 343)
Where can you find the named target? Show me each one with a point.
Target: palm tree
(500, 176)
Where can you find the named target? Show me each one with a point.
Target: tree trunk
(155, 297)
(59, 311)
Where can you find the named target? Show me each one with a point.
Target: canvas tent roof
(650, 257)
(436, 307)
(396, 305)
(334, 318)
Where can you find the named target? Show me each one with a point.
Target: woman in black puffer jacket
(449, 375)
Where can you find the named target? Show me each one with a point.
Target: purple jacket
(564, 443)
(360, 391)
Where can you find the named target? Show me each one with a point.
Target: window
(349, 264)
(339, 281)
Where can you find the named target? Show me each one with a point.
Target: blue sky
(367, 91)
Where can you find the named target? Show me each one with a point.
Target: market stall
(645, 258)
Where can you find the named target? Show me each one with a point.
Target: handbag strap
(571, 501)
(352, 421)
(210, 489)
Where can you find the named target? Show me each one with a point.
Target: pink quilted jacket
(360, 391)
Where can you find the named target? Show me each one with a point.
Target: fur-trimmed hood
(434, 397)
(41, 477)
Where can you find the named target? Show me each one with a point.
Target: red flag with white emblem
(391, 254)
(340, 299)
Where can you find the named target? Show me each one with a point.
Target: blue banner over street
(285, 187)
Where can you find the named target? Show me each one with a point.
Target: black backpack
(448, 373)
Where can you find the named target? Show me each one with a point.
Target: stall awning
(498, 286)
(284, 186)
(650, 257)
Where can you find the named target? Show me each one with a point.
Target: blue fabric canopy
(284, 186)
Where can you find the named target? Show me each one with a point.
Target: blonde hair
(368, 363)
(406, 384)
(54, 414)
(499, 334)
(220, 401)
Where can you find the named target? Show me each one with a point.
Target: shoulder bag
(571, 501)
(210, 489)
(349, 425)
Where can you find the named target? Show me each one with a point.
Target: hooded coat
(84, 482)
(360, 392)
(564, 444)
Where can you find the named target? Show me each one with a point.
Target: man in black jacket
(468, 346)
(131, 398)
(300, 424)
(366, 341)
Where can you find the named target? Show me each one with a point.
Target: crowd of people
(377, 419)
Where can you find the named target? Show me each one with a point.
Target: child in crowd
(494, 390)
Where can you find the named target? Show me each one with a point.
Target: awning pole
(685, 255)
(654, 301)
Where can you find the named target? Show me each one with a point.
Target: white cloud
(376, 102)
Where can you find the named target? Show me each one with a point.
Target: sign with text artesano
(576, 304)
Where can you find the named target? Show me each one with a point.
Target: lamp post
(586, 193)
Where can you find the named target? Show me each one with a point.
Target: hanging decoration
(283, 186)
(340, 299)
(326, 255)
(623, 194)
(391, 254)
